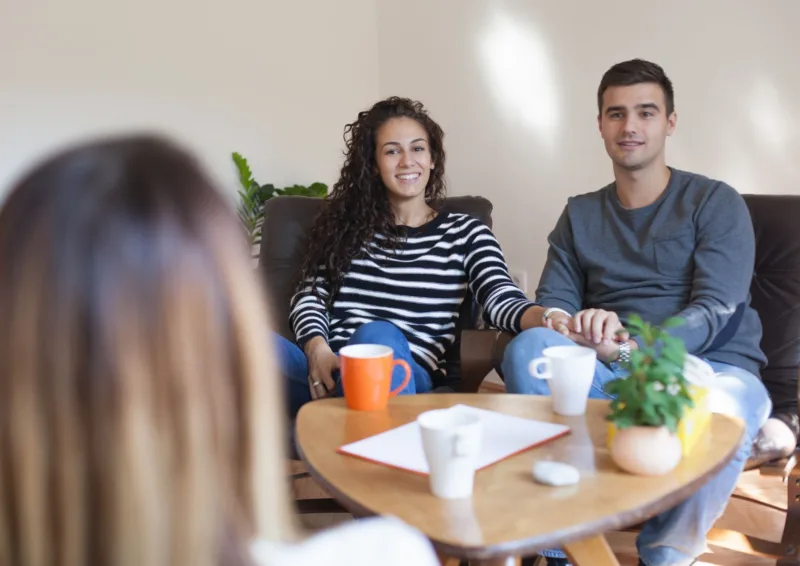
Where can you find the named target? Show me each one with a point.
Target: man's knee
(519, 353)
(530, 343)
(741, 394)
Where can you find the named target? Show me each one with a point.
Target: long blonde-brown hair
(141, 419)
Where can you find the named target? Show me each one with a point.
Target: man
(658, 242)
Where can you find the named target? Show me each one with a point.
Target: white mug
(570, 371)
(451, 439)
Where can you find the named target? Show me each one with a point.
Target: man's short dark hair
(633, 72)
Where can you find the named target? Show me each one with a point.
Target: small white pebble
(555, 473)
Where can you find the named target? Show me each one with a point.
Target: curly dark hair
(358, 207)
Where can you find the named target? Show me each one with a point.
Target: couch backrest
(775, 291)
(286, 222)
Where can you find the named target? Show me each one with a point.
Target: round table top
(509, 514)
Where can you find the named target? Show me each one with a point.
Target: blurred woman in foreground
(141, 415)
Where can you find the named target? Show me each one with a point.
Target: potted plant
(650, 402)
(253, 195)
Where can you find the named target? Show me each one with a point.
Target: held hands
(322, 362)
(598, 329)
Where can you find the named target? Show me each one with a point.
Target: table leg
(591, 552)
(445, 560)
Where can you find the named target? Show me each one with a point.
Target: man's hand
(322, 362)
(598, 326)
(607, 352)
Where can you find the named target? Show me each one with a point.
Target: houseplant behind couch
(253, 195)
(650, 402)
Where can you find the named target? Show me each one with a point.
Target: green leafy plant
(253, 195)
(655, 393)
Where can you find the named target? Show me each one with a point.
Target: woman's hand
(322, 362)
(559, 322)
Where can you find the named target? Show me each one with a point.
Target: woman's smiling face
(403, 158)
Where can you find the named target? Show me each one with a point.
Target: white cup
(451, 439)
(570, 370)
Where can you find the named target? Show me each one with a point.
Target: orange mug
(367, 376)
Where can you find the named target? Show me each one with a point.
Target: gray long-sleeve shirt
(689, 254)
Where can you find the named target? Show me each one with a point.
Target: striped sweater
(419, 288)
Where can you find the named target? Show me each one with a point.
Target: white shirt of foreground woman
(365, 542)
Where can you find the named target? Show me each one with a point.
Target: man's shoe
(777, 439)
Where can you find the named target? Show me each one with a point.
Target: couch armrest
(503, 339)
(477, 349)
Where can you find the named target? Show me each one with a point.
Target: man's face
(634, 125)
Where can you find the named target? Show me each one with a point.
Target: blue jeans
(677, 536)
(294, 365)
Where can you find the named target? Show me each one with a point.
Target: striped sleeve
(308, 314)
(502, 301)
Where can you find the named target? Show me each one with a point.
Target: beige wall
(513, 85)
(272, 79)
(512, 82)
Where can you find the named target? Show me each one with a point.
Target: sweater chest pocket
(674, 253)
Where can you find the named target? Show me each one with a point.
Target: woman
(140, 420)
(384, 266)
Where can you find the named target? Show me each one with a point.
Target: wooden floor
(742, 516)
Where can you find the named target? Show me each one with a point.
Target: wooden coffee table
(508, 515)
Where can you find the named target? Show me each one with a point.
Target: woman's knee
(377, 332)
(529, 344)
(291, 359)
(409, 389)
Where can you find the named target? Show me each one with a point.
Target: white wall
(513, 84)
(275, 80)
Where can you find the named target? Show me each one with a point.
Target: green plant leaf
(655, 393)
(297, 190)
(650, 414)
(243, 167)
(315, 190)
(318, 189)
(268, 191)
(252, 196)
(624, 422)
(634, 322)
(673, 322)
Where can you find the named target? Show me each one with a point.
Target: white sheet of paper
(503, 435)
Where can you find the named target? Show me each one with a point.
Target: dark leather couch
(775, 292)
(776, 296)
